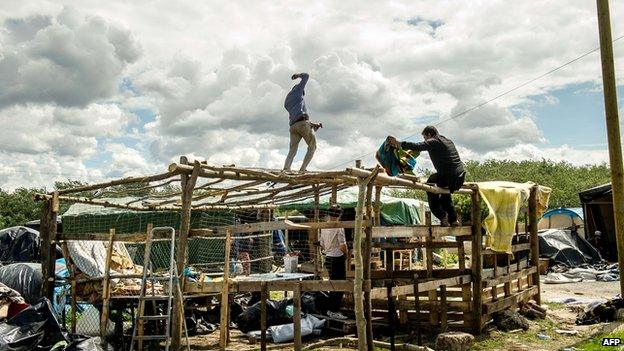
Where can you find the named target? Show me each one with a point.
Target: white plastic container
(291, 264)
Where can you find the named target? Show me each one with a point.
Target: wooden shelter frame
(468, 295)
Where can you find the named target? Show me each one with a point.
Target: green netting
(394, 211)
(208, 254)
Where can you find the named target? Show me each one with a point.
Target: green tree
(19, 206)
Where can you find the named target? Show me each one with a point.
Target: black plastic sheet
(567, 248)
(35, 328)
(89, 344)
(25, 278)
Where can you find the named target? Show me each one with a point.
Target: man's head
(429, 132)
(334, 213)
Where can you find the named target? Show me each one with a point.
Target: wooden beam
(423, 286)
(514, 248)
(509, 277)
(420, 231)
(297, 317)
(513, 300)
(286, 224)
(384, 179)
(48, 243)
(128, 180)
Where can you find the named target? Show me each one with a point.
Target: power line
(478, 106)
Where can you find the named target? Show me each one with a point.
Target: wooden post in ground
(315, 234)
(358, 298)
(297, 317)
(476, 261)
(48, 238)
(187, 183)
(367, 269)
(534, 240)
(263, 314)
(224, 322)
(106, 285)
(613, 127)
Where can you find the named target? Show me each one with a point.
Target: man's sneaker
(336, 315)
(455, 223)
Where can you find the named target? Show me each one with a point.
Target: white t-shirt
(331, 240)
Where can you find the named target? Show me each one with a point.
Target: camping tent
(563, 218)
(597, 206)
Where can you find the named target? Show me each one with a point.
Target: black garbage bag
(600, 313)
(21, 244)
(315, 302)
(88, 344)
(249, 319)
(34, 328)
(25, 278)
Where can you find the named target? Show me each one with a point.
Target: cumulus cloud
(210, 79)
(69, 60)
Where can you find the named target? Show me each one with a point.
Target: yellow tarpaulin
(504, 200)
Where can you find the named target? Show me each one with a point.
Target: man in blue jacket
(299, 121)
(449, 167)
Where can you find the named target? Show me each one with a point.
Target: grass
(596, 342)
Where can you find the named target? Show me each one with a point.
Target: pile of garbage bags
(21, 244)
(36, 328)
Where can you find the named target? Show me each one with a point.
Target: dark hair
(334, 211)
(431, 130)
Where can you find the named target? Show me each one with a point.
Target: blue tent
(562, 218)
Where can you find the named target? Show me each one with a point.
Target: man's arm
(343, 241)
(422, 146)
(304, 80)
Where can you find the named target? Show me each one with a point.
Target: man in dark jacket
(450, 171)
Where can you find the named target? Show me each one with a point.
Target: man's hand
(295, 76)
(316, 126)
(394, 142)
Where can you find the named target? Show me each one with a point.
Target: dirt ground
(542, 335)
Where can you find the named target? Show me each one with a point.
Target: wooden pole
(106, 285)
(188, 184)
(367, 267)
(225, 296)
(48, 238)
(297, 317)
(534, 240)
(613, 127)
(358, 298)
(476, 261)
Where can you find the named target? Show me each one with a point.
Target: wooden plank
(379, 293)
(413, 245)
(119, 237)
(367, 267)
(408, 274)
(419, 231)
(507, 278)
(106, 286)
(287, 224)
(513, 300)
(306, 285)
(297, 318)
(514, 248)
(417, 309)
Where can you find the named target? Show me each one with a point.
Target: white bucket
(291, 264)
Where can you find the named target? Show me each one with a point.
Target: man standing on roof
(300, 125)
(450, 171)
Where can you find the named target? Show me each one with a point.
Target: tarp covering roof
(394, 210)
(598, 191)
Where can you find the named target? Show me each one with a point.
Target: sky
(95, 90)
